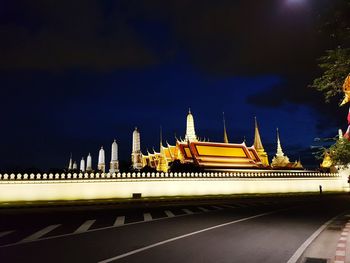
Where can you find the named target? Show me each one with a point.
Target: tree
(335, 66)
(335, 63)
(339, 152)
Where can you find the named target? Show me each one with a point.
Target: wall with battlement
(41, 187)
(69, 176)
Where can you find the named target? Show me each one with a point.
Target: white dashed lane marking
(5, 233)
(120, 220)
(203, 209)
(40, 233)
(187, 211)
(147, 217)
(216, 207)
(169, 213)
(85, 226)
(228, 206)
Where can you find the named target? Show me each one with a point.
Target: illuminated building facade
(201, 153)
(209, 155)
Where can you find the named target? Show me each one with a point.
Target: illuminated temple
(213, 155)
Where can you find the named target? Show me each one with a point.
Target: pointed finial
(160, 137)
(225, 132)
(189, 110)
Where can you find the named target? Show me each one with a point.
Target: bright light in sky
(295, 1)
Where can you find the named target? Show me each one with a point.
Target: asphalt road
(250, 230)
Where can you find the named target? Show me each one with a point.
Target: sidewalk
(332, 245)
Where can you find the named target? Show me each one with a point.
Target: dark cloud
(296, 90)
(225, 37)
(231, 37)
(56, 35)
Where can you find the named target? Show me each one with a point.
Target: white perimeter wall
(36, 190)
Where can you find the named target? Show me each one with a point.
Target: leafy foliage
(335, 66)
(339, 152)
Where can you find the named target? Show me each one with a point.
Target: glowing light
(295, 1)
(194, 184)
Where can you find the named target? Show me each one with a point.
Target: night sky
(74, 75)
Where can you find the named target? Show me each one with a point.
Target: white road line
(169, 213)
(187, 211)
(147, 217)
(85, 226)
(216, 207)
(119, 221)
(203, 209)
(2, 234)
(308, 241)
(228, 206)
(241, 205)
(181, 237)
(39, 233)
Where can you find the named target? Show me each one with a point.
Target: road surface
(266, 230)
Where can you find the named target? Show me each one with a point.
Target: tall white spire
(280, 160)
(136, 156)
(101, 160)
(89, 163)
(75, 166)
(280, 152)
(114, 165)
(70, 165)
(136, 146)
(190, 130)
(82, 165)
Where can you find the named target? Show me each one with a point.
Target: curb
(340, 253)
